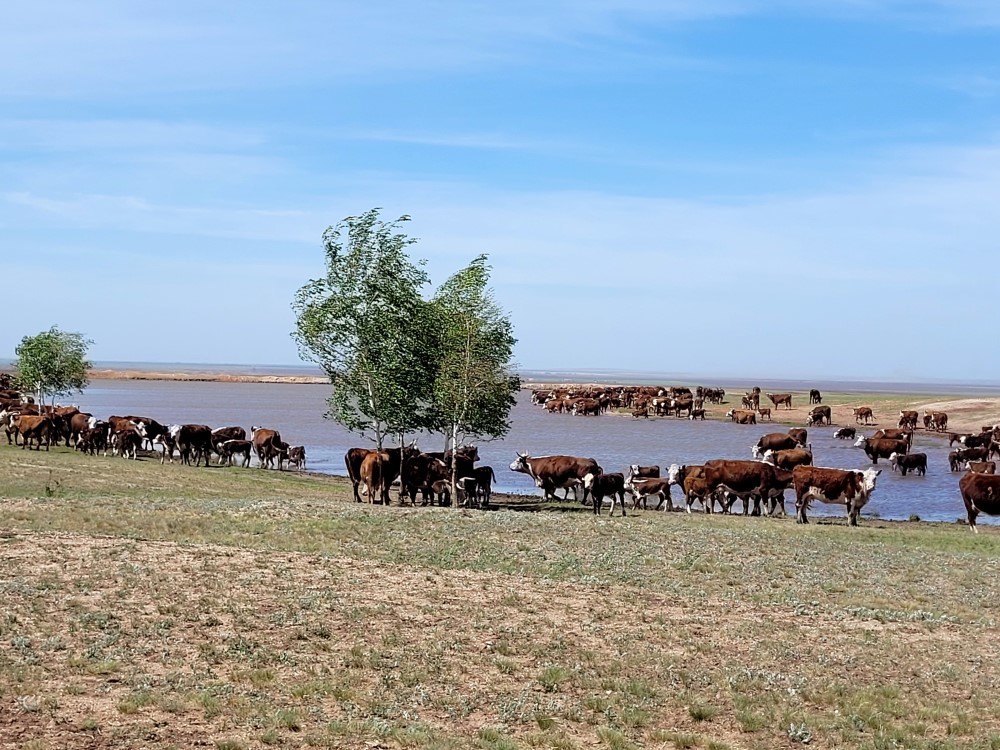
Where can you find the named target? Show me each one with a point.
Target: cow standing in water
(557, 472)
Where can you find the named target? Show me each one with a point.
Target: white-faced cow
(981, 494)
(554, 472)
(849, 488)
(601, 486)
(845, 433)
(876, 448)
(773, 441)
(788, 459)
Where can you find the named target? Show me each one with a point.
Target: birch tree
(367, 326)
(52, 363)
(474, 385)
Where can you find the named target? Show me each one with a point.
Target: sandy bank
(206, 377)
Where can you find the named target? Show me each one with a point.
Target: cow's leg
(621, 500)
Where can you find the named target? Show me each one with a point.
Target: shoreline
(206, 377)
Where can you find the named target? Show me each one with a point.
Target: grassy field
(157, 607)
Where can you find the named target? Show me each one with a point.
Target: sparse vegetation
(164, 606)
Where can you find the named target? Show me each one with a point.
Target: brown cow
(741, 416)
(936, 420)
(982, 467)
(850, 488)
(876, 448)
(773, 441)
(788, 459)
(800, 435)
(397, 457)
(863, 412)
(908, 419)
(746, 480)
(373, 476)
(193, 438)
(34, 429)
(819, 414)
(691, 480)
(981, 494)
(297, 456)
(234, 447)
(765, 411)
(781, 398)
(553, 472)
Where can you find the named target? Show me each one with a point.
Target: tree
(474, 386)
(368, 327)
(53, 363)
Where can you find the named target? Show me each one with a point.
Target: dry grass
(170, 607)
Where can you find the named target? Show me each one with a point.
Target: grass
(171, 606)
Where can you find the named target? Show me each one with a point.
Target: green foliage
(53, 363)
(474, 386)
(367, 326)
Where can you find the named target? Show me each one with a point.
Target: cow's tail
(493, 477)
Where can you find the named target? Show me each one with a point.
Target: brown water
(616, 442)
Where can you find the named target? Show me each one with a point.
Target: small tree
(475, 386)
(367, 326)
(53, 363)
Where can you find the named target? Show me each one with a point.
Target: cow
(691, 480)
(765, 411)
(587, 407)
(916, 462)
(908, 419)
(982, 467)
(373, 476)
(845, 433)
(685, 403)
(697, 414)
(743, 479)
(34, 429)
(876, 448)
(800, 436)
(397, 457)
(773, 441)
(484, 482)
(77, 424)
(297, 457)
(93, 439)
(815, 397)
(781, 398)
(849, 488)
(981, 494)
(935, 420)
(641, 413)
(788, 459)
(894, 433)
(971, 441)
(865, 413)
(8, 417)
(601, 486)
(420, 473)
(643, 482)
(741, 416)
(553, 472)
(267, 445)
(168, 442)
(234, 447)
(222, 434)
(196, 439)
(128, 442)
(818, 414)
(954, 462)
(965, 455)
(467, 491)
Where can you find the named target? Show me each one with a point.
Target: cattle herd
(780, 461)
(31, 426)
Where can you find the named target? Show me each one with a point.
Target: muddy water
(296, 410)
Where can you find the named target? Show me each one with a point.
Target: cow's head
(860, 442)
(868, 477)
(893, 459)
(768, 456)
(755, 451)
(674, 473)
(521, 463)
(633, 471)
(730, 413)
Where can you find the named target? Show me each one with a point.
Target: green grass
(268, 608)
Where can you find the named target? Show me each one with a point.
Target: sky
(776, 188)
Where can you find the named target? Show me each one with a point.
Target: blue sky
(721, 187)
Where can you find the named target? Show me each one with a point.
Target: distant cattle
(556, 472)
(849, 488)
(845, 433)
(908, 419)
(894, 433)
(971, 441)
(916, 462)
(981, 494)
(935, 420)
(819, 414)
(815, 397)
(863, 413)
(779, 399)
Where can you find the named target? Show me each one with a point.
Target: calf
(643, 489)
(863, 412)
(229, 448)
(765, 411)
(908, 419)
(484, 482)
(126, 442)
(606, 485)
(819, 414)
(916, 462)
(982, 467)
(93, 439)
(297, 456)
(691, 480)
(697, 414)
(643, 472)
(815, 397)
(641, 413)
(954, 461)
(781, 398)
